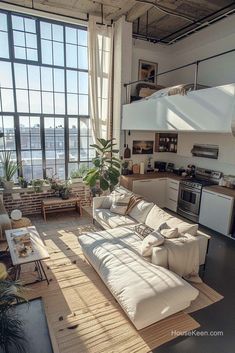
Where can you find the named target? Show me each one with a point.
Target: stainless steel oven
(189, 200)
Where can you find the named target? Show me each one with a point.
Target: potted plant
(125, 170)
(106, 171)
(78, 174)
(23, 182)
(11, 327)
(37, 184)
(65, 190)
(10, 168)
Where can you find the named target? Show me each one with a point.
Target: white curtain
(100, 54)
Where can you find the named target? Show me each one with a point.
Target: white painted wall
(212, 40)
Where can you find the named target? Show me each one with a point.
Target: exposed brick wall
(29, 202)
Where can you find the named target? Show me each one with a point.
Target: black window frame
(16, 114)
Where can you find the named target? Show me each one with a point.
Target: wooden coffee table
(56, 204)
(39, 253)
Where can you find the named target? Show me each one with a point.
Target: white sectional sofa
(146, 291)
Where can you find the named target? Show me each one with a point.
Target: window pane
(7, 100)
(45, 30)
(47, 103)
(82, 58)
(58, 34)
(29, 25)
(18, 22)
(34, 77)
(71, 35)
(83, 105)
(72, 82)
(58, 53)
(35, 101)
(59, 80)
(59, 103)
(3, 22)
(83, 82)
(4, 49)
(72, 103)
(47, 79)
(5, 75)
(31, 40)
(20, 76)
(71, 56)
(84, 126)
(20, 53)
(22, 101)
(46, 51)
(32, 54)
(82, 37)
(19, 38)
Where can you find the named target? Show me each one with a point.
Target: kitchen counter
(221, 190)
(127, 180)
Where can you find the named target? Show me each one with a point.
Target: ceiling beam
(137, 11)
(122, 11)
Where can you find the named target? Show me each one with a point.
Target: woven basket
(23, 222)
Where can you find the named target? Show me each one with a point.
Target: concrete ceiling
(157, 20)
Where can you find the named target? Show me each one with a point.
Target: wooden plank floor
(83, 315)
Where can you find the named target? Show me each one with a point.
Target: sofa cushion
(159, 256)
(156, 217)
(107, 219)
(147, 293)
(140, 211)
(120, 203)
(153, 239)
(183, 227)
(170, 233)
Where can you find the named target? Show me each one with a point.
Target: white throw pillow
(156, 217)
(153, 239)
(141, 210)
(120, 203)
(170, 233)
(183, 227)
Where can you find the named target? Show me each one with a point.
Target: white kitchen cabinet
(152, 190)
(172, 191)
(216, 211)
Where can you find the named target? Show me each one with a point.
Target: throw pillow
(170, 233)
(143, 230)
(151, 240)
(120, 203)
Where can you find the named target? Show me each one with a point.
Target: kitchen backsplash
(225, 162)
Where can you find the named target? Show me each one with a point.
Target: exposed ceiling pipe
(165, 10)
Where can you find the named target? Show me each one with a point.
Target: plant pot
(65, 195)
(77, 180)
(8, 185)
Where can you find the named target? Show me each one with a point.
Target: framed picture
(142, 147)
(147, 69)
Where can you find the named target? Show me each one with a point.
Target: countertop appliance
(160, 166)
(190, 191)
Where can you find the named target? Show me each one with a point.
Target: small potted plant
(65, 190)
(23, 182)
(77, 175)
(37, 184)
(125, 170)
(10, 168)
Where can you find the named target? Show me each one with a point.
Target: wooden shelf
(166, 142)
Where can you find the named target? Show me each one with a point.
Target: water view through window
(44, 99)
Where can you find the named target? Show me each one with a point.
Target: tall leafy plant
(106, 168)
(11, 327)
(9, 166)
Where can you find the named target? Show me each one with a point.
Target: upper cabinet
(206, 110)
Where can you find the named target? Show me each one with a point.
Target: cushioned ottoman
(147, 293)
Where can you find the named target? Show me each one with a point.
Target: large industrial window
(44, 101)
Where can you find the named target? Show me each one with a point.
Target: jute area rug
(82, 314)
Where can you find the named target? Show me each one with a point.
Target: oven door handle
(189, 189)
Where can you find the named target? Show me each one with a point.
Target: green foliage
(9, 166)
(106, 170)
(37, 184)
(80, 172)
(11, 328)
